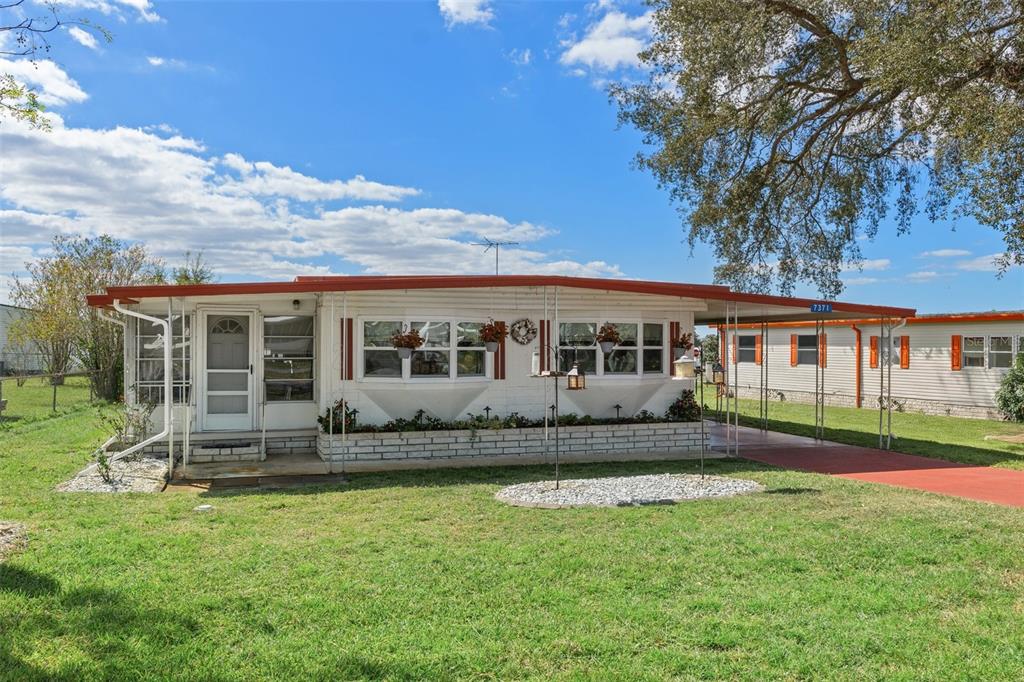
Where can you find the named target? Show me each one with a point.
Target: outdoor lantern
(683, 368)
(577, 380)
(717, 374)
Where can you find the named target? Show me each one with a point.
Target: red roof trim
(402, 282)
(927, 319)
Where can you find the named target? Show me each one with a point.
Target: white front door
(228, 372)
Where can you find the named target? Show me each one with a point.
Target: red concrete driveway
(988, 484)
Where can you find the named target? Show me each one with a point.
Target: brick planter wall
(606, 442)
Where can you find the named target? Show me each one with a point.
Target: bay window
(452, 349)
(288, 358)
(640, 351)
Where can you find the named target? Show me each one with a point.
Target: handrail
(168, 378)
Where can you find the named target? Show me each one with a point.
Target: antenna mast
(489, 244)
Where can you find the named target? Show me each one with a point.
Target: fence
(37, 396)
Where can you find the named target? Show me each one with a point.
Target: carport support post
(819, 382)
(736, 377)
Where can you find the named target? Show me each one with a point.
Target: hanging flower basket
(406, 342)
(608, 337)
(685, 343)
(492, 334)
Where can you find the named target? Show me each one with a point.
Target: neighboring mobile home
(263, 360)
(941, 364)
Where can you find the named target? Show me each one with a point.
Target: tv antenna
(496, 245)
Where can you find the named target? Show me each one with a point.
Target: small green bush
(1010, 397)
(684, 409)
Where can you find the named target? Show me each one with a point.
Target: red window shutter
(757, 349)
(499, 357)
(735, 356)
(345, 346)
(792, 350)
(904, 352)
(954, 358)
(823, 350)
(873, 355)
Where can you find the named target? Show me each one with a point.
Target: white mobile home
(261, 361)
(940, 364)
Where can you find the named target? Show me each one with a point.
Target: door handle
(250, 369)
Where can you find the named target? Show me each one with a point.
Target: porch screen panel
(149, 360)
(289, 355)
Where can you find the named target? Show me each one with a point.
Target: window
(1020, 346)
(807, 349)
(883, 352)
(380, 359)
(434, 360)
(973, 351)
(641, 350)
(149, 360)
(451, 349)
(288, 358)
(1000, 351)
(746, 348)
(471, 357)
(653, 350)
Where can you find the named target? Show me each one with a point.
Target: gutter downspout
(860, 360)
(168, 368)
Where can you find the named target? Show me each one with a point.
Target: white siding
(929, 379)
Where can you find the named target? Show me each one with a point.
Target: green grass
(34, 399)
(423, 575)
(952, 438)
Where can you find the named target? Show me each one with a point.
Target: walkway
(987, 484)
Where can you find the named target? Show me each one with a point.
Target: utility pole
(496, 245)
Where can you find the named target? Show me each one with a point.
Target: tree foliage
(60, 321)
(786, 128)
(1010, 396)
(195, 270)
(29, 37)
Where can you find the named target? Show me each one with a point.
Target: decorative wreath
(523, 331)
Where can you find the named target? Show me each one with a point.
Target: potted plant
(608, 337)
(406, 342)
(685, 343)
(493, 334)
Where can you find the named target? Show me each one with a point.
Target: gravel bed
(624, 491)
(13, 537)
(143, 475)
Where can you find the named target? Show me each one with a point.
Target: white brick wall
(609, 442)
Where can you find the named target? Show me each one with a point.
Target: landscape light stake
(487, 412)
(617, 409)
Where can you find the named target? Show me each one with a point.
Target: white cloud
(922, 276)
(981, 263)
(83, 38)
(155, 61)
(55, 87)
(869, 264)
(944, 253)
(253, 219)
(466, 12)
(143, 8)
(520, 57)
(854, 281)
(612, 42)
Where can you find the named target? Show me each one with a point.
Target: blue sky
(347, 137)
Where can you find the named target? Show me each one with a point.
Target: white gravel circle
(624, 491)
(143, 475)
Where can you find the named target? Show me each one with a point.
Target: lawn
(424, 575)
(33, 400)
(952, 438)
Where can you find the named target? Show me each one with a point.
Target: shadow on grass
(961, 454)
(110, 636)
(792, 491)
(507, 475)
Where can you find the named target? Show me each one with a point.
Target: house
(940, 364)
(254, 364)
(16, 358)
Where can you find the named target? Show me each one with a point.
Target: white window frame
(752, 349)
(893, 358)
(963, 352)
(989, 351)
(407, 377)
(816, 350)
(182, 388)
(640, 347)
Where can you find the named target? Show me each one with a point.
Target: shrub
(1010, 397)
(334, 414)
(684, 408)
